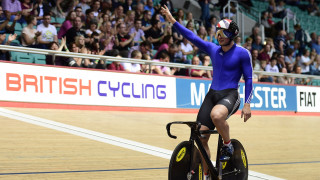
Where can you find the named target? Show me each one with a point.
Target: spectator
(140, 11)
(269, 41)
(13, 8)
(128, 6)
(67, 24)
(212, 22)
(238, 40)
(123, 40)
(163, 57)
(146, 20)
(62, 7)
(290, 60)
(80, 42)
(313, 37)
(316, 46)
(145, 47)
(280, 61)
(166, 42)
(255, 33)
(248, 43)
(300, 36)
(118, 13)
(198, 72)
(299, 81)
(107, 37)
(80, 13)
(255, 60)
(133, 67)
(59, 60)
(93, 27)
(177, 37)
(264, 53)
(89, 18)
(4, 55)
(205, 11)
(40, 7)
(130, 19)
(313, 8)
(75, 31)
(202, 33)
(155, 34)
(29, 34)
(283, 79)
(317, 65)
(83, 5)
(280, 42)
(190, 26)
(76, 61)
(212, 35)
(4, 22)
(138, 31)
(272, 67)
(305, 62)
(96, 8)
(189, 18)
(145, 67)
(48, 32)
(149, 7)
(257, 43)
(187, 51)
(26, 6)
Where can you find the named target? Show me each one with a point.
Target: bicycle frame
(194, 136)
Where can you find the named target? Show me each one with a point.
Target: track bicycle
(185, 162)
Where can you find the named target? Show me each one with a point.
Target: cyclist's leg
(206, 123)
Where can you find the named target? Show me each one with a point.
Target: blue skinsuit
(228, 67)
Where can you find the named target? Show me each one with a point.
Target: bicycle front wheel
(185, 163)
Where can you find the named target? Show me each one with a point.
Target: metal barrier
(149, 63)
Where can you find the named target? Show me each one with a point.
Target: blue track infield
(139, 169)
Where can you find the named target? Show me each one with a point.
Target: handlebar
(195, 127)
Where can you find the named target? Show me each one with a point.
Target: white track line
(105, 138)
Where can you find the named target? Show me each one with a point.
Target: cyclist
(229, 62)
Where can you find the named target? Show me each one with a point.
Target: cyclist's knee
(217, 116)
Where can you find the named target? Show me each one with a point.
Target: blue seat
(39, 58)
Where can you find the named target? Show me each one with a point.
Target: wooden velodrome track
(282, 146)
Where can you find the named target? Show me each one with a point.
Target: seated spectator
(62, 7)
(187, 51)
(80, 13)
(80, 42)
(128, 6)
(300, 36)
(115, 65)
(145, 67)
(155, 34)
(300, 81)
(140, 11)
(200, 72)
(93, 27)
(75, 31)
(269, 41)
(255, 32)
(166, 42)
(272, 67)
(248, 43)
(212, 23)
(12, 8)
(257, 43)
(76, 61)
(96, 8)
(212, 35)
(5, 27)
(40, 7)
(149, 7)
(255, 60)
(190, 26)
(264, 53)
(313, 8)
(4, 55)
(317, 65)
(26, 6)
(48, 32)
(189, 18)
(305, 62)
(290, 60)
(29, 34)
(237, 40)
(202, 33)
(83, 5)
(163, 57)
(177, 37)
(283, 79)
(145, 47)
(316, 45)
(138, 31)
(123, 40)
(280, 61)
(67, 24)
(118, 13)
(169, 4)
(130, 20)
(133, 67)
(59, 60)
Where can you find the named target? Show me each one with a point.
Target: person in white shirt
(186, 49)
(272, 67)
(305, 62)
(48, 32)
(133, 67)
(139, 32)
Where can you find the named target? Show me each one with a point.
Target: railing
(149, 63)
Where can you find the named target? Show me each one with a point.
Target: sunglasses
(223, 33)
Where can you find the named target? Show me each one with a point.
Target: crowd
(136, 29)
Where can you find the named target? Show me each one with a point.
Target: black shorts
(227, 97)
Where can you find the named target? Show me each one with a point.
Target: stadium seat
(14, 55)
(60, 20)
(39, 58)
(24, 58)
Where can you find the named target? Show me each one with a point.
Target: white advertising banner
(46, 84)
(308, 99)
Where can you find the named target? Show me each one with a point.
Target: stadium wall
(72, 86)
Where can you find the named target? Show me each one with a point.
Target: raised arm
(193, 38)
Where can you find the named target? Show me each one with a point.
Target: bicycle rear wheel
(181, 167)
(237, 167)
